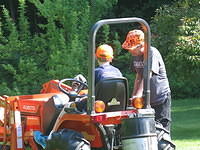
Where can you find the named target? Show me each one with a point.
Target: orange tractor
(68, 119)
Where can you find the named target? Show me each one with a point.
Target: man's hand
(133, 97)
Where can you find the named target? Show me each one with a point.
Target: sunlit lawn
(186, 124)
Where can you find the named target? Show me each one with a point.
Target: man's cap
(133, 38)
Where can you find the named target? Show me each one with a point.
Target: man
(104, 56)
(160, 97)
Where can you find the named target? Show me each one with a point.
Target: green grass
(186, 124)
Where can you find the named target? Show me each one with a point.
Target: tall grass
(186, 124)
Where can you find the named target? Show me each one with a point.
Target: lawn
(186, 124)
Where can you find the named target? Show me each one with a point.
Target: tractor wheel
(66, 139)
(164, 139)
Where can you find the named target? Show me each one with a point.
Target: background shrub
(44, 40)
(176, 30)
(58, 50)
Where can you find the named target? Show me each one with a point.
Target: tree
(177, 29)
(57, 50)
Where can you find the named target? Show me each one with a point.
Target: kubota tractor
(66, 118)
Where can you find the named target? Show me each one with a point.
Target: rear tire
(67, 139)
(164, 139)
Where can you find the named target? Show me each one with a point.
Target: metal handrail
(91, 58)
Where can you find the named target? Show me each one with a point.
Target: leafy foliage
(176, 30)
(49, 40)
(58, 51)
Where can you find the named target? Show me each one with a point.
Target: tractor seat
(114, 93)
(51, 110)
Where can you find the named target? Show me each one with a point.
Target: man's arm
(138, 86)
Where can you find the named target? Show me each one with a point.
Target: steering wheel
(73, 94)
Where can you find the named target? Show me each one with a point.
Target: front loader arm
(4, 119)
(11, 126)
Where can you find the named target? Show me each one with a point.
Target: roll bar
(91, 58)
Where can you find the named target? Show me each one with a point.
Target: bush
(176, 34)
(58, 50)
